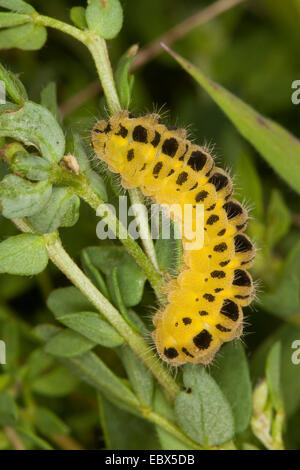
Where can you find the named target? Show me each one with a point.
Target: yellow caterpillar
(205, 302)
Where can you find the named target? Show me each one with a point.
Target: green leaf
(21, 198)
(97, 184)
(250, 184)
(136, 320)
(7, 107)
(77, 15)
(292, 262)
(73, 309)
(278, 219)
(56, 383)
(28, 37)
(4, 311)
(68, 343)
(140, 377)
(45, 331)
(8, 410)
(92, 370)
(35, 125)
(12, 19)
(49, 100)
(33, 168)
(68, 300)
(5, 444)
(17, 5)
(77, 147)
(124, 81)
(231, 372)
(273, 375)
(37, 363)
(5, 381)
(10, 334)
(273, 142)
(62, 209)
(290, 377)
(14, 86)
(104, 17)
(94, 274)
(124, 431)
(130, 276)
(48, 423)
(116, 295)
(93, 327)
(72, 213)
(36, 440)
(23, 254)
(284, 302)
(163, 407)
(202, 411)
(11, 149)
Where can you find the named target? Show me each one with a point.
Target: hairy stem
(153, 49)
(63, 261)
(65, 264)
(98, 49)
(60, 26)
(83, 189)
(141, 214)
(170, 427)
(100, 55)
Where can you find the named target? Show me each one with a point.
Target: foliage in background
(78, 372)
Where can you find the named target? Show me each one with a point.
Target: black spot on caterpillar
(170, 353)
(161, 162)
(139, 134)
(170, 147)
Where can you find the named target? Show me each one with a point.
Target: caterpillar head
(110, 137)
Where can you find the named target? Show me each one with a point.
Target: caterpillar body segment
(205, 302)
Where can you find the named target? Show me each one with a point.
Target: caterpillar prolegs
(205, 302)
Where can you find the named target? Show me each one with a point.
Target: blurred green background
(252, 50)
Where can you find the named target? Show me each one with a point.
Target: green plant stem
(169, 427)
(100, 55)
(140, 214)
(82, 188)
(98, 49)
(160, 421)
(60, 26)
(63, 261)
(14, 438)
(65, 264)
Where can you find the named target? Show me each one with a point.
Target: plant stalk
(63, 261)
(65, 264)
(141, 214)
(82, 188)
(98, 49)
